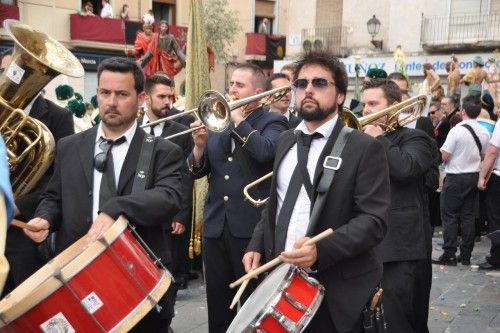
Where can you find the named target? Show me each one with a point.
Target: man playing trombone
(232, 159)
(356, 203)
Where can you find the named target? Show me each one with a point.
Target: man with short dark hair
(356, 204)
(234, 158)
(283, 105)
(462, 154)
(91, 188)
(410, 157)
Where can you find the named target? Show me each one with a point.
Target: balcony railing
(461, 31)
(332, 39)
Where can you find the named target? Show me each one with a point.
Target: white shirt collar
(129, 134)
(326, 129)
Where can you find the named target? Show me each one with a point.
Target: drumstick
(277, 260)
(239, 293)
(24, 225)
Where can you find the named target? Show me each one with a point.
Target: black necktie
(108, 184)
(293, 190)
(303, 147)
(152, 129)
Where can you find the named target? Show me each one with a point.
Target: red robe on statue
(161, 60)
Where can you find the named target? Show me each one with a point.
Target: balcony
(265, 48)
(332, 39)
(112, 34)
(464, 32)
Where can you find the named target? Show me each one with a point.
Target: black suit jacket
(410, 156)
(255, 139)
(356, 208)
(60, 123)
(185, 142)
(67, 202)
(294, 121)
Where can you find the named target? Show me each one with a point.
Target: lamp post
(373, 26)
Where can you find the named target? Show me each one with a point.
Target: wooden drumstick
(277, 260)
(24, 225)
(239, 293)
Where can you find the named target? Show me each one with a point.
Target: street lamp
(357, 67)
(373, 26)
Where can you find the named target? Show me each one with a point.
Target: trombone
(214, 111)
(397, 115)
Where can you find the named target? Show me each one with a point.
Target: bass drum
(106, 287)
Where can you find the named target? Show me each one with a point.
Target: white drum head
(259, 301)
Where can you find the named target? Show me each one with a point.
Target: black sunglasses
(432, 112)
(318, 83)
(101, 159)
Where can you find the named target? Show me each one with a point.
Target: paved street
(461, 301)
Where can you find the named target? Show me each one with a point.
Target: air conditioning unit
(313, 43)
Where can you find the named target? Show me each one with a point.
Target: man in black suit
(159, 96)
(233, 158)
(72, 202)
(410, 156)
(20, 250)
(283, 105)
(356, 205)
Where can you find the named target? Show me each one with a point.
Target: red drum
(284, 302)
(108, 287)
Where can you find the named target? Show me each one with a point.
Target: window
(164, 11)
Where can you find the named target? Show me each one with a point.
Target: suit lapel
(86, 152)
(129, 165)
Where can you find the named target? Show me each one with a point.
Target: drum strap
(331, 164)
(144, 164)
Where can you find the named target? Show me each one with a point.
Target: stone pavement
(462, 301)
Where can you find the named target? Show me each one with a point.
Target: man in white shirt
(107, 10)
(462, 153)
(492, 187)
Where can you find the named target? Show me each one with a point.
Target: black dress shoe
(181, 283)
(465, 262)
(193, 275)
(487, 266)
(446, 260)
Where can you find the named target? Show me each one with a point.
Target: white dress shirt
(107, 11)
(299, 220)
(157, 129)
(119, 152)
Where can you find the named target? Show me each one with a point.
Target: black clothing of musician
(71, 204)
(356, 206)
(410, 154)
(232, 159)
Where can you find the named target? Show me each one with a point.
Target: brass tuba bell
(36, 59)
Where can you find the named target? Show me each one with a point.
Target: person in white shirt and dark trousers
(462, 153)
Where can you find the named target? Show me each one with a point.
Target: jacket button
(90, 193)
(88, 220)
(226, 177)
(230, 159)
(226, 198)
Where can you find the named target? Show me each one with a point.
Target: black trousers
(457, 209)
(398, 282)
(322, 322)
(22, 254)
(493, 216)
(222, 257)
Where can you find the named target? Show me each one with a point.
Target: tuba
(36, 59)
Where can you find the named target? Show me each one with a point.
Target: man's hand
(251, 260)
(200, 138)
(177, 228)
(301, 255)
(101, 224)
(43, 229)
(238, 115)
(481, 183)
(373, 130)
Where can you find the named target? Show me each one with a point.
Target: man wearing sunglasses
(410, 156)
(233, 159)
(95, 172)
(355, 207)
(283, 105)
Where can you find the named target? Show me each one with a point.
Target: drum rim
(39, 292)
(146, 305)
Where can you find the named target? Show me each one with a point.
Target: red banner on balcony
(97, 29)
(256, 44)
(8, 12)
